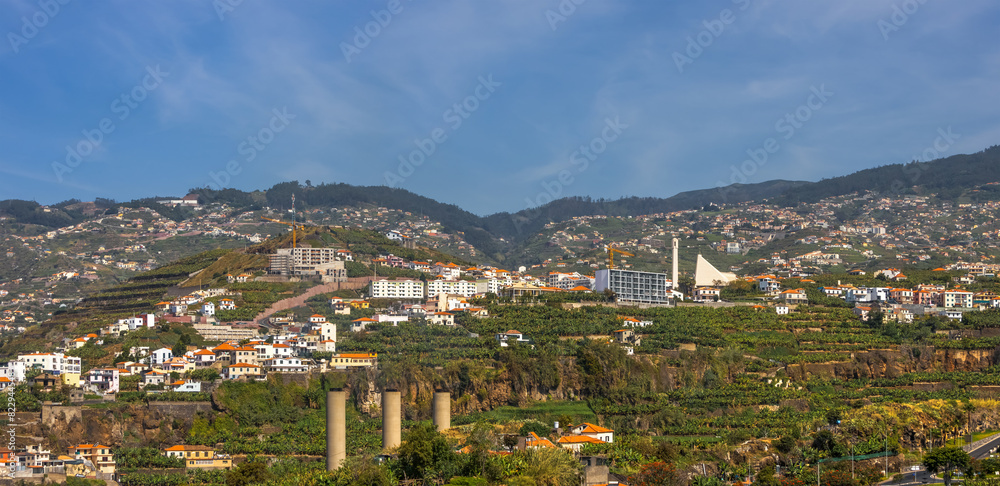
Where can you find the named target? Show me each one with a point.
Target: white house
(142, 320)
(203, 358)
(447, 270)
(768, 284)
(103, 380)
(285, 365)
(595, 431)
(442, 318)
(160, 356)
(511, 335)
(153, 377)
(358, 325)
(189, 386)
(395, 320)
(208, 309)
(633, 322)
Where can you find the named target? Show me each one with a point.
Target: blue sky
(132, 99)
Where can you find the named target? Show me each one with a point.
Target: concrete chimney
(676, 284)
(442, 411)
(336, 429)
(392, 415)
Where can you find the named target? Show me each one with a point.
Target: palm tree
(968, 408)
(550, 467)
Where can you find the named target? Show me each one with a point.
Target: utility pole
(886, 470)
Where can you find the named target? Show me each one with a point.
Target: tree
(548, 467)
(534, 426)
(766, 477)
(945, 459)
(480, 442)
(656, 474)
(362, 471)
(824, 441)
(424, 452)
(179, 349)
(248, 473)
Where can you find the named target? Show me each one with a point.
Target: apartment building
(454, 287)
(397, 289)
(633, 287)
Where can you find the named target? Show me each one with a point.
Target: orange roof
(204, 352)
(243, 365)
(594, 429)
(536, 441)
(182, 447)
(90, 446)
(580, 439)
(355, 355)
(580, 288)
(365, 319)
(224, 347)
(317, 315)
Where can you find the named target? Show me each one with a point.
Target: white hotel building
(397, 289)
(451, 287)
(54, 363)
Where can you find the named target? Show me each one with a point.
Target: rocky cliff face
(892, 363)
(59, 427)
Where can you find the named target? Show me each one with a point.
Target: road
(983, 449)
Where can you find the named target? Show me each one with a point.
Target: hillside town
(775, 261)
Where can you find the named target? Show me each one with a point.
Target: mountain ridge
(946, 176)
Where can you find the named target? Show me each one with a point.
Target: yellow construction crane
(293, 225)
(611, 256)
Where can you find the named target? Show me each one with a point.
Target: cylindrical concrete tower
(442, 411)
(336, 429)
(676, 284)
(392, 415)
